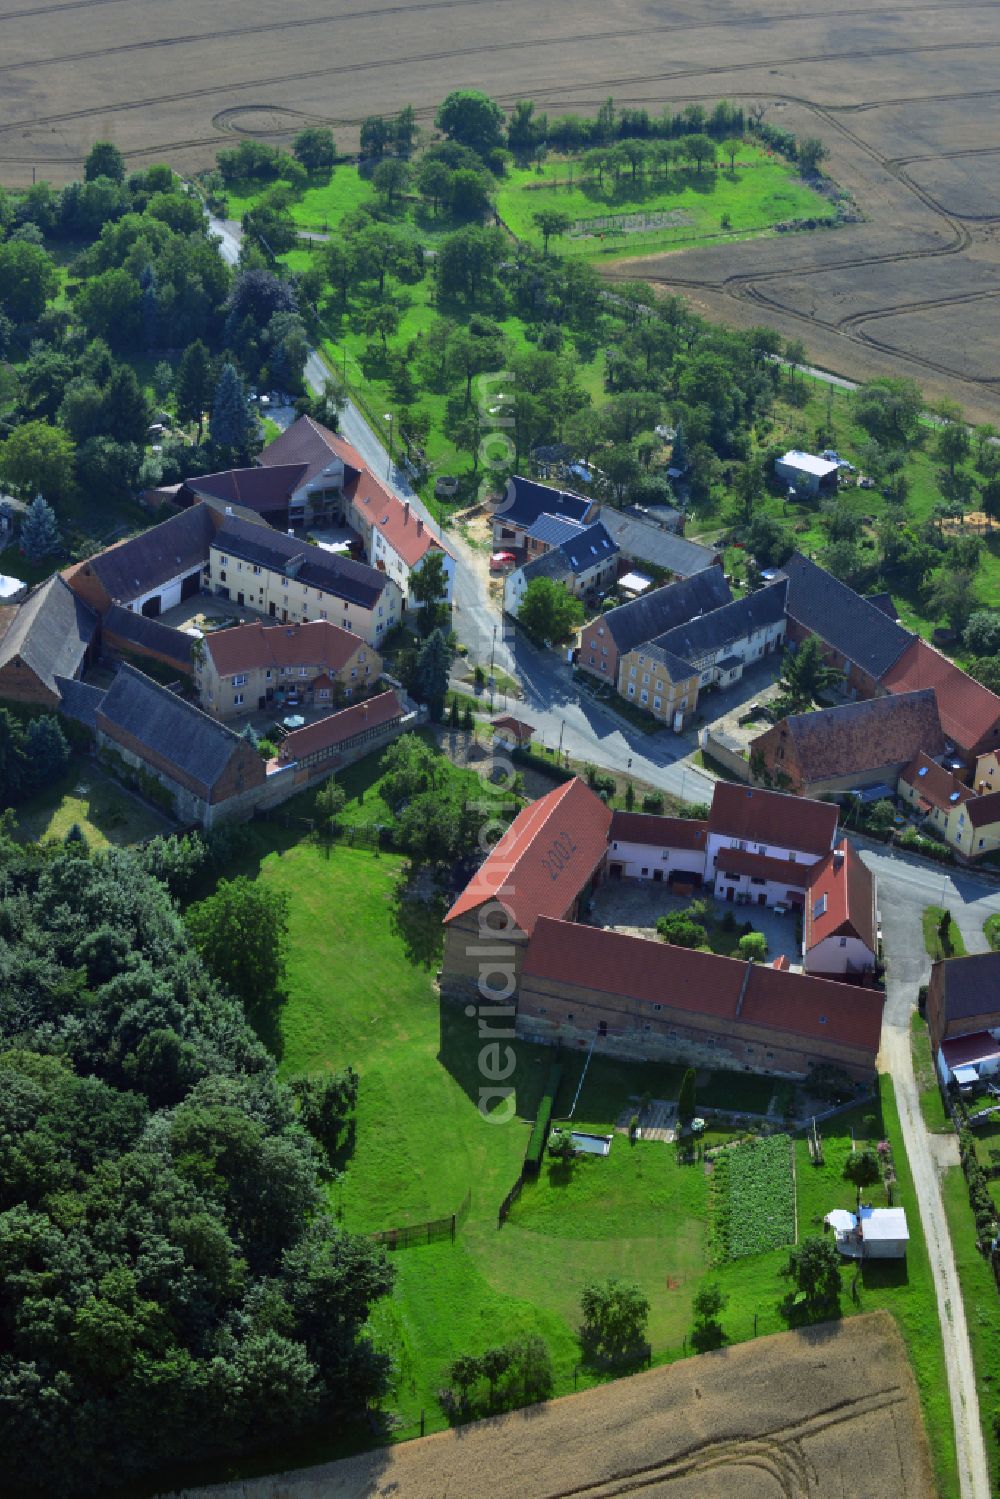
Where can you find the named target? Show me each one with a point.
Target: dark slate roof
(850, 624)
(174, 547)
(884, 601)
(661, 609)
(310, 443)
(855, 738)
(971, 985)
(257, 489)
(553, 529)
(78, 701)
(525, 501)
(721, 627)
(165, 723)
(317, 568)
(665, 516)
(150, 635)
(552, 564)
(588, 547)
(646, 543)
(50, 632)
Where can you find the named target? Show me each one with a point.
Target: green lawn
(88, 796)
(991, 931)
(950, 946)
(656, 211)
(982, 1304)
(931, 1103)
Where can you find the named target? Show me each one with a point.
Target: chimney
(838, 858)
(406, 511)
(229, 509)
(420, 527)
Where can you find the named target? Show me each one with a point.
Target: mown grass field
(361, 991)
(982, 1305)
(931, 1103)
(716, 204)
(87, 796)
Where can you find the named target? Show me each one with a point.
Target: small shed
(808, 474)
(871, 1234)
(511, 732)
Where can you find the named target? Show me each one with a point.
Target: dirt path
(972, 1466)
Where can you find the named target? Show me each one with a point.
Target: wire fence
(430, 1232)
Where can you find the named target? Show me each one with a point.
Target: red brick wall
(86, 586)
(18, 684)
(590, 645)
(121, 647)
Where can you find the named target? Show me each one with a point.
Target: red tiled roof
(847, 884)
(782, 871)
(936, 785)
(309, 442)
(259, 489)
(404, 531)
(704, 983)
(687, 833)
(984, 810)
(958, 1051)
(544, 859)
(327, 732)
(968, 710)
(317, 642)
(521, 730)
(759, 816)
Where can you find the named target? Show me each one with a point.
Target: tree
(389, 180)
(194, 384)
(862, 1168)
(709, 1302)
(434, 179)
(330, 802)
(681, 931)
(433, 667)
(241, 933)
(314, 148)
(124, 408)
(28, 279)
(889, 409)
(846, 561)
(326, 1102)
(45, 749)
(471, 118)
(39, 532)
(700, 149)
(429, 589)
(986, 669)
(752, 947)
(686, 1100)
(731, 149)
(404, 129)
(805, 675)
(104, 160)
(953, 594)
(615, 1314)
(375, 136)
(953, 444)
(37, 457)
(811, 151)
(982, 633)
(109, 307)
(548, 613)
(232, 427)
(551, 224)
(467, 263)
(814, 1266)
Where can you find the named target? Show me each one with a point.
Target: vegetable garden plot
(753, 1198)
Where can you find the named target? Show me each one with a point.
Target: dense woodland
(172, 1287)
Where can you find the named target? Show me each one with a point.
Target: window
(569, 1017)
(224, 560)
(322, 614)
(843, 941)
(657, 702)
(657, 1008)
(222, 577)
(303, 671)
(615, 845)
(268, 674)
(646, 1027)
(672, 1035)
(284, 582)
(592, 662)
(644, 695)
(542, 1010)
(602, 1027)
(238, 699)
(600, 628)
(659, 686)
(757, 879)
(819, 908)
(762, 848)
(645, 679)
(239, 567)
(256, 572)
(769, 1056)
(792, 856)
(240, 680)
(645, 874)
(631, 671)
(324, 692)
(604, 652)
(631, 689)
(353, 672)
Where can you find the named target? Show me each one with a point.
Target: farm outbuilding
(807, 473)
(871, 1234)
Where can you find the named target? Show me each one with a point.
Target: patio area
(632, 906)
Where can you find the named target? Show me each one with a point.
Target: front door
(240, 599)
(762, 900)
(730, 892)
(261, 703)
(271, 610)
(657, 875)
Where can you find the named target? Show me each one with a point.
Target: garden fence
(504, 1211)
(424, 1233)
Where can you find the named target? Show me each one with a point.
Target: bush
(680, 931)
(653, 802)
(540, 1133)
(753, 947)
(991, 927)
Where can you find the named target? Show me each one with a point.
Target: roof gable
(758, 816)
(661, 609)
(725, 626)
(50, 632)
(177, 546)
(688, 833)
(841, 899)
(150, 635)
(197, 746)
(373, 713)
(309, 443)
(934, 784)
(248, 647)
(850, 624)
(525, 500)
(871, 734)
(394, 519)
(652, 544)
(317, 568)
(258, 489)
(545, 858)
(968, 710)
(970, 986)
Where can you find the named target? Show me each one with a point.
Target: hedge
(543, 1121)
(539, 762)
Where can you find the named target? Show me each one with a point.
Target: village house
(523, 503)
(327, 463)
(583, 565)
(667, 675)
(316, 750)
(548, 860)
(643, 545)
(266, 491)
(642, 1000)
(858, 637)
(963, 1017)
(609, 637)
(209, 773)
(762, 845)
(126, 636)
(396, 541)
(48, 638)
(670, 850)
(840, 933)
(860, 744)
(969, 712)
(290, 581)
(511, 733)
(986, 776)
(153, 571)
(244, 669)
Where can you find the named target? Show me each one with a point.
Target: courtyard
(632, 906)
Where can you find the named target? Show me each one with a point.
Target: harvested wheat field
(831, 1413)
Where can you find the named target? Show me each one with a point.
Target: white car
(781, 909)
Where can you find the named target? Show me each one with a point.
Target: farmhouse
(645, 999)
(152, 572)
(859, 744)
(645, 545)
(396, 541)
(293, 582)
(510, 732)
(523, 503)
(331, 743)
(146, 731)
(544, 865)
(583, 564)
(858, 637)
(50, 636)
(325, 462)
(266, 492)
(318, 664)
(807, 473)
(963, 1016)
(871, 1234)
(762, 844)
(667, 849)
(969, 712)
(666, 675)
(608, 638)
(840, 936)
